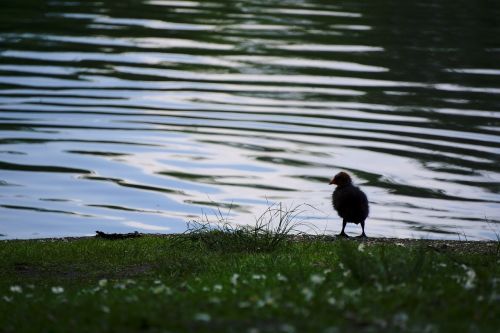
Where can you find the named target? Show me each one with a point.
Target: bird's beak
(333, 182)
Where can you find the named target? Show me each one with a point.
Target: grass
(270, 231)
(184, 284)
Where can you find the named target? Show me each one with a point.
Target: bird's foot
(343, 235)
(362, 236)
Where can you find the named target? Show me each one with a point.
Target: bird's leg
(363, 235)
(342, 233)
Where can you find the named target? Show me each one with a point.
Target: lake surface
(141, 115)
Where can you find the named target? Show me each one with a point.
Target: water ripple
(140, 117)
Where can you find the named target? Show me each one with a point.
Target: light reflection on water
(141, 116)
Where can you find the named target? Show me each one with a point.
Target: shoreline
(463, 246)
(304, 237)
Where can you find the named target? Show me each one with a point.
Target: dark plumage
(349, 201)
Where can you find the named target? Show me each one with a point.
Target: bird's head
(341, 179)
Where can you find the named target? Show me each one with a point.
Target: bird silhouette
(350, 202)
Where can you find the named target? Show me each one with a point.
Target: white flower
(202, 317)
(260, 303)
(94, 290)
(281, 277)
(7, 298)
(120, 286)
(331, 300)
(103, 283)
(218, 288)
(234, 279)
(470, 277)
(258, 277)
(57, 290)
(266, 300)
(308, 294)
(400, 244)
(16, 289)
(317, 279)
(105, 309)
(351, 293)
(361, 247)
(161, 289)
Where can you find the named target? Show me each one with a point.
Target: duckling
(350, 202)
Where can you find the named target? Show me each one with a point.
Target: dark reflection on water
(139, 115)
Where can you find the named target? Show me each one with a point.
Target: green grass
(182, 284)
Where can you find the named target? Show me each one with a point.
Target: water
(141, 115)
